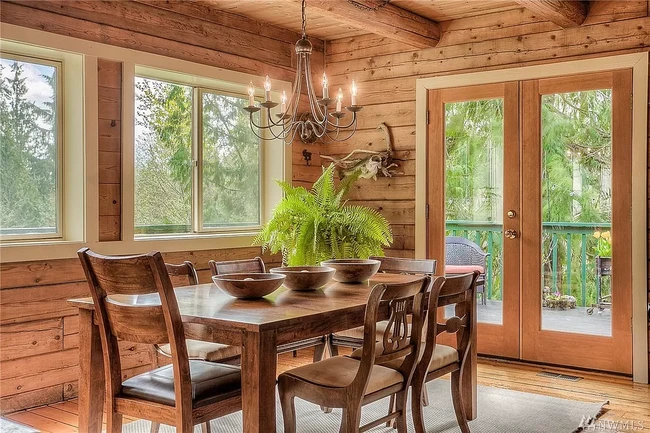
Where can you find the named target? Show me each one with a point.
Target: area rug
(499, 411)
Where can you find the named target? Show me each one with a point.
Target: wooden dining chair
(184, 274)
(237, 266)
(257, 265)
(350, 383)
(438, 359)
(182, 394)
(391, 265)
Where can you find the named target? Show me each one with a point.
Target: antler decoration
(371, 165)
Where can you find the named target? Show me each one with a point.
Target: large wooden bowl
(249, 285)
(352, 270)
(303, 278)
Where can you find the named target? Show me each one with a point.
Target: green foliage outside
(576, 184)
(163, 158)
(311, 226)
(28, 148)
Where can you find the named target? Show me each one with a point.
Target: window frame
(196, 219)
(197, 164)
(59, 95)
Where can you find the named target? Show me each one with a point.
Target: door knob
(510, 233)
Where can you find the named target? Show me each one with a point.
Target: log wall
(39, 334)
(386, 73)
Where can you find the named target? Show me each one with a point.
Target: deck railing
(569, 251)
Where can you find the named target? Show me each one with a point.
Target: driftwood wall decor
(371, 163)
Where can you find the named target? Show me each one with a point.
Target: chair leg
(350, 420)
(400, 406)
(205, 427)
(416, 406)
(425, 396)
(391, 409)
(319, 352)
(457, 399)
(155, 427)
(288, 410)
(114, 423)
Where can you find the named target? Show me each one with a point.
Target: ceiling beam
(381, 18)
(564, 13)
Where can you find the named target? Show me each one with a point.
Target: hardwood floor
(629, 402)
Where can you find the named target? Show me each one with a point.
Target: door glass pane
(577, 212)
(474, 198)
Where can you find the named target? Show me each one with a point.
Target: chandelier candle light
(320, 123)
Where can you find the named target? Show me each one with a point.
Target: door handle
(510, 233)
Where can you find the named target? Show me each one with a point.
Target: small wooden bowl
(353, 270)
(249, 285)
(304, 278)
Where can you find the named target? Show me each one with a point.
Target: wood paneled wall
(109, 79)
(39, 333)
(386, 73)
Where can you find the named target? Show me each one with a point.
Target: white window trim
(276, 156)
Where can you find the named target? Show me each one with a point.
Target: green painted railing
(569, 251)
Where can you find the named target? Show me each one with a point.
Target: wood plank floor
(629, 403)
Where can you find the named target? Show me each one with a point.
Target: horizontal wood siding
(386, 74)
(109, 79)
(39, 331)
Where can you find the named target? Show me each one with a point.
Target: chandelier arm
(349, 125)
(311, 94)
(338, 140)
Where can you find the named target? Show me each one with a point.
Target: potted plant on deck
(308, 227)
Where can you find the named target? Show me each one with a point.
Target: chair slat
(237, 266)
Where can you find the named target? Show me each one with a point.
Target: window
(30, 148)
(197, 162)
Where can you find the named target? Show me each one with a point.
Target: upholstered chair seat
(211, 383)
(213, 352)
(340, 371)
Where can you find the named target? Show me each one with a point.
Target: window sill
(62, 249)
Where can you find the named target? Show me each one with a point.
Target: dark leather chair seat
(211, 383)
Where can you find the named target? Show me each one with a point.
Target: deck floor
(575, 320)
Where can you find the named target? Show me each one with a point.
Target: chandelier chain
(304, 20)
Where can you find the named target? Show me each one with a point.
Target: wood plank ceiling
(414, 22)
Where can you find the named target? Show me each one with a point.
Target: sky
(39, 90)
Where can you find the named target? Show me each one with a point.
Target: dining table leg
(258, 370)
(91, 375)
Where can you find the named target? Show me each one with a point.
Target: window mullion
(197, 160)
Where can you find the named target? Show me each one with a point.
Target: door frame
(638, 62)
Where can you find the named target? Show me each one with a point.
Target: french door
(535, 176)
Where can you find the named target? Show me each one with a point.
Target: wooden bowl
(303, 278)
(248, 285)
(352, 270)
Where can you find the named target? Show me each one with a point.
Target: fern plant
(311, 226)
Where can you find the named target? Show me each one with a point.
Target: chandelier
(326, 119)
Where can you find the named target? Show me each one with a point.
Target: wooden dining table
(258, 326)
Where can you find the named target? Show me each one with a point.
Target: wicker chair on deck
(463, 256)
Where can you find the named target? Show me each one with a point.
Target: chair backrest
(237, 266)
(404, 301)
(398, 265)
(458, 290)
(460, 251)
(183, 274)
(114, 284)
